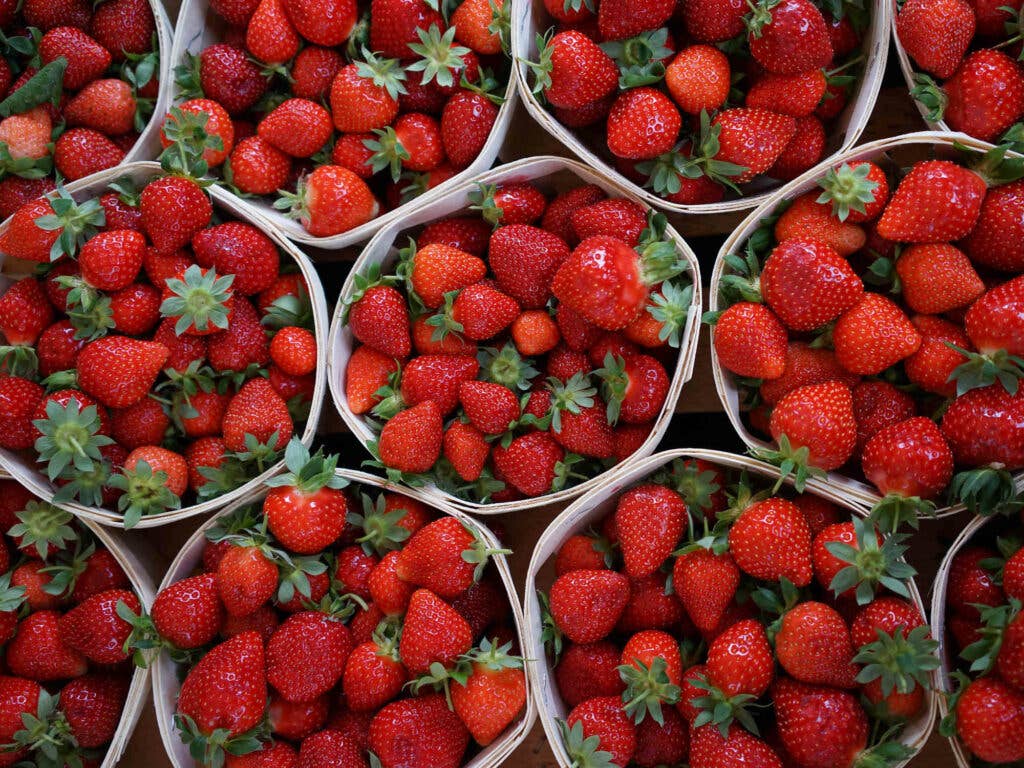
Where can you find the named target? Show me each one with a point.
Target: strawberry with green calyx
(584, 751)
(89, 487)
(666, 173)
(73, 222)
(446, 556)
(671, 306)
(388, 152)
(88, 309)
(43, 528)
(985, 491)
(305, 508)
(382, 531)
(144, 492)
(650, 679)
(47, 735)
(899, 663)
(186, 130)
(571, 396)
(983, 654)
(493, 691)
(698, 482)
(68, 566)
(856, 192)
(439, 56)
(860, 563)
(70, 437)
(640, 59)
(506, 367)
(200, 300)
(634, 387)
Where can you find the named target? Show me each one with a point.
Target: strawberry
(306, 655)
(228, 77)
(466, 449)
(39, 653)
(619, 218)
(238, 249)
(650, 520)
(984, 426)
(173, 210)
(819, 726)
(524, 260)
(984, 97)
(313, 71)
(437, 378)
(813, 646)
(257, 410)
(119, 371)
(419, 733)
(970, 584)
(24, 312)
(740, 660)
(807, 219)
(438, 269)
(81, 152)
(535, 333)
(123, 27)
(993, 739)
(770, 540)
(18, 698)
(604, 720)
(111, 260)
(586, 605)
(643, 124)
(432, 632)
(465, 233)
(713, 21)
(329, 747)
(910, 459)
(795, 94)
(86, 59)
(466, 122)
(16, 191)
(936, 278)
(808, 284)
(135, 309)
(293, 350)
(573, 71)
(587, 671)
(297, 127)
(246, 578)
(887, 614)
(92, 705)
(818, 417)
(706, 584)
(379, 318)
(142, 423)
(990, 322)
(664, 744)
(804, 150)
(257, 167)
(709, 748)
(269, 34)
(857, 192)
(321, 23)
(491, 408)
(188, 614)
(652, 669)
(582, 552)
(297, 720)
(390, 594)
(806, 365)
(993, 242)
(96, 630)
(107, 106)
(789, 37)
(753, 138)
(936, 33)
(479, 312)
(698, 79)
(27, 135)
(877, 405)
(509, 203)
(937, 201)
(329, 201)
(205, 123)
(932, 366)
(873, 335)
(750, 341)
(364, 96)
(226, 689)
(411, 440)
(532, 463)
(374, 674)
(445, 557)
(493, 694)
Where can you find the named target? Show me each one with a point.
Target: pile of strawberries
(79, 82)
(874, 327)
(700, 620)
(153, 357)
(411, 95)
(332, 623)
(968, 54)
(66, 674)
(521, 347)
(983, 601)
(695, 100)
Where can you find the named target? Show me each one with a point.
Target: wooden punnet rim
(586, 510)
(166, 681)
(26, 471)
(380, 251)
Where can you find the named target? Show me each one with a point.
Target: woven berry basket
(532, 19)
(549, 173)
(167, 674)
(23, 467)
(892, 152)
(586, 513)
(198, 27)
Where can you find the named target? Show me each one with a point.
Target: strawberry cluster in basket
(411, 89)
(522, 346)
(696, 100)
(66, 674)
(329, 621)
(969, 57)
(78, 82)
(873, 325)
(711, 616)
(154, 356)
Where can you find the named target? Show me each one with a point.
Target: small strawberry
(438, 378)
(813, 646)
(238, 249)
(937, 278)
(379, 317)
(330, 201)
(873, 335)
(313, 71)
(322, 23)
(750, 341)
(970, 584)
(92, 705)
(297, 127)
(709, 748)
(188, 614)
(95, 629)
(269, 34)
(437, 269)
(698, 79)
(643, 124)
(937, 201)
(806, 365)
(25, 313)
(493, 694)
(257, 168)
(86, 59)
(173, 210)
(411, 440)
(586, 605)
(909, 459)
(524, 260)
(37, 651)
(491, 408)
(532, 463)
(432, 632)
(770, 540)
(807, 219)
(994, 240)
(81, 152)
(466, 123)
(936, 33)
(257, 411)
(789, 37)
(106, 105)
(573, 71)
(364, 95)
(818, 418)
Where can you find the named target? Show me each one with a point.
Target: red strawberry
(995, 739)
(819, 726)
(698, 79)
(524, 260)
(932, 366)
(857, 192)
(491, 408)
(991, 322)
(532, 463)
(258, 168)
(985, 426)
(752, 138)
(588, 671)
(493, 694)
(379, 317)
(297, 127)
(305, 508)
(820, 418)
(297, 720)
(238, 249)
(466, 122)
(910, 458)
(650, 520)
(789, 37)
(795, 95)
(81, 152)
(92, 705)
(119, 371)
(322, 23)
(706, 584)
(111, 260)
(18, 697)
(438, 269)
(804, 150)
(123, 27)
(38, 651)
(480, 312)
(95, 629)
(635, 388)
(877, 405)
(188, 613)
(994, 242)
(740, 660)
(936, 278)
(411, 440)
(329, 747)
(709, 749)
(437, 378)
(437, 558)
(228, 77)
(807, 284)
(306, 655)
(313, 71)
(269, 34)
(573, 71)
(807, 219)
(985, 96)
(432, 632)
(246, 579)
(419, 733)
(750, 341)
(331, 200)
(938, 201)
(806, 365)
(173, 210)
(813, 646)
(874, 335)
(259, 411)
(936, 33)
(24, 312)
(770, 539)
(586, 605)
(107, 106)
(970, 584)
(142, 423)
(643, 124)
(713, 21)
(86, 59)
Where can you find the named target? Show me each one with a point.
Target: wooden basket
(26, 471)
(135, 558)
(531, 19)
(920, 145)
(549, 173)
(584, 513)
(907, 68)
(199, 27)
(166, 674)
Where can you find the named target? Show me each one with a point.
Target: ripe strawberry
(931, 367)
(390, 594)
(795, 95)
(910, 459)
(820, 418)
(226, 689)
(92, 705)
(238, 249)
(313, 70)
(329, 201)
(532, 463)
(619, 218)
(493, 694)
(970, 584)
(444, 557)
(297, 720)
(770, 540)
(466, 449)
(228, 77)
(135, 309)
(813, 646)
(990, 322)
(188, 613)
(491, 408)
(789, 37)
(259, 411)
(936, 278)
(18, 697)
(111, 260)
(96, 630)
(27, 135)
(708, 748)
(985, 426)
(123, 27)
(86, 59)
(141, 424)
(706, 584)
(418, 732)
(936, 33)
(293, 350)
(807, 219)
(650, 519)
(438, 269)
(411, 440)
(874, 335)
(306, 655)
(713, 21)
(437, 378)
(269, 35)
(877, 405)
(535, 333)
(81, 152)
(857, 192)
(374, 674)
(107, 106)
(379, 317)
(465, 233)
(479, 312)
(805, 365)
(937, 201)
(587, 671)
(466, 122)
(297, 127)
(259, 168)
(573, 71)
(993, 242)
(119, 371)
(803, 151)
(996, 739)
(320, 23)
(173, 210)
(364, 96)
(753, 138)
(602, 719)
(25, 312)
(740, 660)
(586, 605)
(432, 632)
(750, 341)
(39, 653)
(698, 79)
(246, 579)
(524, 260)
(643, 124)
(808, 284)
(819, 726)
(985, 96)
